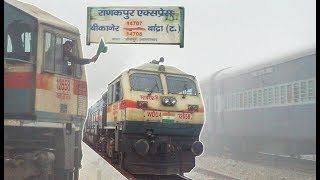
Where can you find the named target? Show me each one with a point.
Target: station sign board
(136, 25)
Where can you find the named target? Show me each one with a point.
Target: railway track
(130, 176)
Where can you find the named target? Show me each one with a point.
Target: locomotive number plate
(167, 116)
(184, 116)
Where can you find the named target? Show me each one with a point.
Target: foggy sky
(218, 34)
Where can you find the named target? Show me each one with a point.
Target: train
(148, 121)
(268, 107)
(44, 107)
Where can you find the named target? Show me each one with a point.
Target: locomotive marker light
(193, 108)
(142, 104)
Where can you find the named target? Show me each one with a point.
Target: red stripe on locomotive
(18, 80)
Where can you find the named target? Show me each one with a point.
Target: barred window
(259, 97)
(254, 98)
(237, 101)
(245, 100)
(296, 92)
(276, 95)
(265, 97)
(311, 94)
(249, 98)
(303, 91)
(270, 100)
(289, 93)
(283, 94)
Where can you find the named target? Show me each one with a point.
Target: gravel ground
(244, 170)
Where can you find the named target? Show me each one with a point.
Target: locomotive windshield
(181, 85)
(145, 82)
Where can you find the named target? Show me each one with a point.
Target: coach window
(311, 90)
(245, 100)
(249, 98)
(276, 95)
(289, 93)
(296, 92)
(233, 103)
(283, 94)
(259, 97)
(303, 91)
(237, 100)
(254, 98)
(270, 101)
(265, 97)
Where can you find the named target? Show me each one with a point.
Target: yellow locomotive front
(158, 113)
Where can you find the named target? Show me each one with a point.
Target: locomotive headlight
(168, 101)
(173, 100)
(165, 101)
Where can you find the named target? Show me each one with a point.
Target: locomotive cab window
(54, 60)
(145, 82)
(20, 41)
(181, 85)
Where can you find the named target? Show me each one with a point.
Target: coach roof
(236, 71)
(42, 17)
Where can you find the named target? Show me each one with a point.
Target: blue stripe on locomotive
(18, 101)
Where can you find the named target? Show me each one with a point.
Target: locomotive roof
(229, 72)
(154, 68)
(42, 16)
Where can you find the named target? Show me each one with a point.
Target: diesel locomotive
(149, 120)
